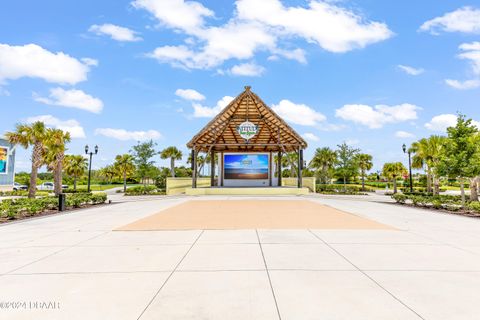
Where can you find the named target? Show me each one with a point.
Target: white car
(49, 186)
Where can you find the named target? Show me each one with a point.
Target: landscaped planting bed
(447, 203)
(339, 189)
(144, 190)
(11, 209)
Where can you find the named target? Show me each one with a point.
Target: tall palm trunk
(36, 163)
(436, 184)
(124, 181)
(172, 167)
(429, 180)
(473, 189)
(363, 181)
(75, 183)
(58, 173)
(345, 184)
(394, 185)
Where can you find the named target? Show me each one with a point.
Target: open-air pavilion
(246, 135)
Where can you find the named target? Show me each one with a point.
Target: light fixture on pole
(404, 147)
(91, 153)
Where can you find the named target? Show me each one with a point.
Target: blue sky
(373, 73)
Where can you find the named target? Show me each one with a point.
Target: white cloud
(258, 26)
(441, 122)
(300, 114)
(377, 116)
(471, 53)
(72, 126)
(411, 70)
(333, 28)
(200, 111)
(189, 94)
(187, 16)
(247, 69)
(71, 99)
(124, 135)
(463, 85)
(117, 33)
(33, 61)
(311, 136)
(466, 20)
(90, 62)
(404, 134)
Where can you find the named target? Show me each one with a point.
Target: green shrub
(400, 198)
(474, 206)
(144, 190)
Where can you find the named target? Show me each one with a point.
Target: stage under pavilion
(247, 136)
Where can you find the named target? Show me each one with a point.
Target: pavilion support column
(300, 167)
(220, 169)
(279, 168)
(270, 169)
(194, 168)
(212, 168)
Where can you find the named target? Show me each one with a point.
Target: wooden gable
(221, 134)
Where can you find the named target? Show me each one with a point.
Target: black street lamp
(404, 147)
(90, 164)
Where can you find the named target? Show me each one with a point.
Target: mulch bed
(444, 211)
(4, 220)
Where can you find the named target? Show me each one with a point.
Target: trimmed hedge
(14, 208)
(22, 193)
(144, 190)
(339, 189)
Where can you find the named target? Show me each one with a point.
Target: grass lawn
(98, 187)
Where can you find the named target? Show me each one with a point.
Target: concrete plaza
(73, 266)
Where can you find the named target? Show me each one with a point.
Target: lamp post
(91, 153)
(404, 147)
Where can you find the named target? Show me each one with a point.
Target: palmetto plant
(427, 154)
(28, 135)
(392, 171)
(54, 154)
(75, 166)
(173, 154)
(364, 162)
(125, 166)
(323, 162)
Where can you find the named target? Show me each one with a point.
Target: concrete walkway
(73, 266)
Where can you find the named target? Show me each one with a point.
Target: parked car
(49, 186)
(17, 187)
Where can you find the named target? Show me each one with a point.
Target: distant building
(7, 165)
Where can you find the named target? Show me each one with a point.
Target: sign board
(247, 130)
(3, 160)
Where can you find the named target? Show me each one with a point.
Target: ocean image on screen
(3, 160)
(246, 166)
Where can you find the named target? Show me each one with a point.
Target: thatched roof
(221, 134)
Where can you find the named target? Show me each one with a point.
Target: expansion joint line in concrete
(54, 253)
(268, 275)
(169, 276)
(366, 275)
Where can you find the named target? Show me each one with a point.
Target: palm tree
(125, 166)
(323, 161)
(289, 160)
(393, 170)
(173, 154)
(427, 154)
(75, 166)
(54, 154)
(364, 162)
(108, 172)
(26, 136)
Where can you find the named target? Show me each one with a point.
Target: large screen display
(245, 166)
(3, 160)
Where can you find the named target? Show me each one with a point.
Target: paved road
(429, 268)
